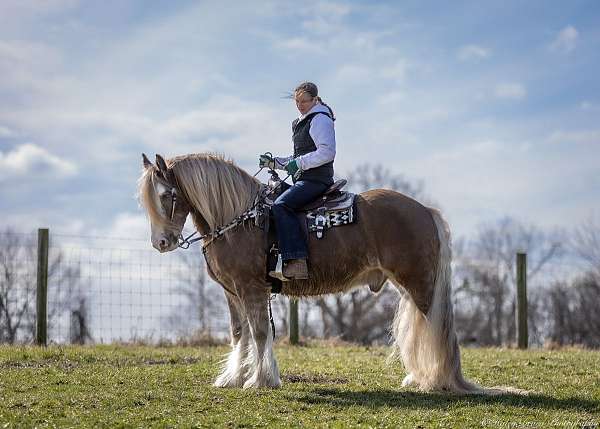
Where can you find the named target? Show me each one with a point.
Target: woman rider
(311, 169)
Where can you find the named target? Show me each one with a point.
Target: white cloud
(15, 11)
(27, 54)
(576, 136)
(514, 91)
(566, 40)
(352, 73)
(392, 97)
(297, 44)
(587, 105)
(473, 52)
(224, 124)
(325, 18)
(127, 225)
(395, 71)
(32, 160)
(6, 132)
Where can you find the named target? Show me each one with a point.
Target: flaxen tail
(427, 344)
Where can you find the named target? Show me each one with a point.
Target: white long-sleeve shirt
(322, 132)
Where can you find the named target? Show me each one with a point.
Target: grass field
(324, 386)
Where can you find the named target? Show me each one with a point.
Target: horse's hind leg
(263, 368)
(233, 373)
(423, 328)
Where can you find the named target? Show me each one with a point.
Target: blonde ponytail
(328, 108)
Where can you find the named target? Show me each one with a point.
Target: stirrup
(278, 271)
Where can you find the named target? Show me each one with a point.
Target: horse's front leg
(234, 371)
(264, 371)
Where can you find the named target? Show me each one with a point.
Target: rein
(185, 242)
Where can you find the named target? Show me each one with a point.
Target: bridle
(173, 202)
(182, 242)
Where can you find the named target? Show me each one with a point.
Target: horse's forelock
(148, 197)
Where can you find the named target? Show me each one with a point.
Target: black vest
(303, 144)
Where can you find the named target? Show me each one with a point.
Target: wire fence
(111, 289)
(105, 290)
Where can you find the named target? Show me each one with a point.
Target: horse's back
(393, 232)
(404, 231)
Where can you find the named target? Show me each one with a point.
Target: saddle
(332, 208)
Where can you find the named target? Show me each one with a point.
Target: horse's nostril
(162, 243)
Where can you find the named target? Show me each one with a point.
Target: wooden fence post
(522, 335)
(294, 335)
(42, 287)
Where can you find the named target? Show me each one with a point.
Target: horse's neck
(200, 223)
(217, 203)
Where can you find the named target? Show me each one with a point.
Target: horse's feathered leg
(262, 365)
(233, 373)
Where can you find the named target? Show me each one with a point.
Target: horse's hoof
(255, 383)
(225, 381)
(408, 380)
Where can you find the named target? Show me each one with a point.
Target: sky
(494, 106)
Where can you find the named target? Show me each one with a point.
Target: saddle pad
(319, 220)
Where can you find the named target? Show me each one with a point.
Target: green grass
(323, 386)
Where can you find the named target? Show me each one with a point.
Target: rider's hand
(266, 161)
(293, 169)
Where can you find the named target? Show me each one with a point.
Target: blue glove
(293, 169)
(266, 161)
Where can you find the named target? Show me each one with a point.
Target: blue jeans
(291, 237)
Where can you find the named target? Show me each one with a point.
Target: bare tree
(370, 176)
(18, 286)
(79, 330)
(573, 310)
(203, 301)
(586, 244)
(573, 313)
(485, 297)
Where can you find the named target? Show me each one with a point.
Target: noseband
(182, 242)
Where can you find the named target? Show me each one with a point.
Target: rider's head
(306, 96)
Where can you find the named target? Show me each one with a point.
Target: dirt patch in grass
(314, 379)
(187, 360)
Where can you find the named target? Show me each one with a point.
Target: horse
(395, 239)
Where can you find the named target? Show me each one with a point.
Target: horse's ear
(162, 165)
(146, 161)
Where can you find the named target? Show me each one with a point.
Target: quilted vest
(303, 144)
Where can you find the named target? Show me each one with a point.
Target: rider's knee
(280, 204)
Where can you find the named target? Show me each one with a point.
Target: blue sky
(495, 106)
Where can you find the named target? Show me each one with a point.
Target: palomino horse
(396, 239)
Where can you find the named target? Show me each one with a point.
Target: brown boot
(295, 269)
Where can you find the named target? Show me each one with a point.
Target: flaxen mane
(211, 184)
